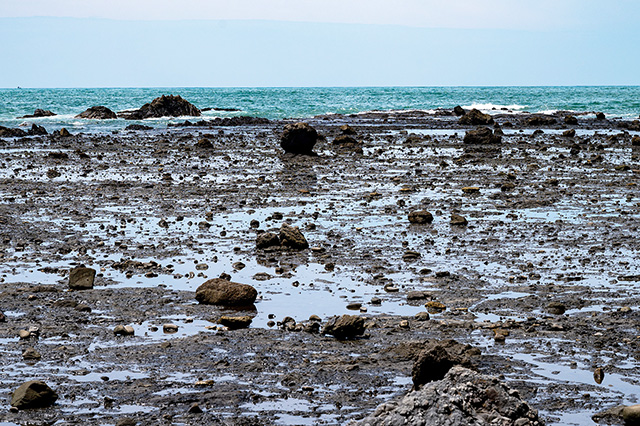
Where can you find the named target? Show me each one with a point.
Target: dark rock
(235, 323)
(33, 394)
(419, 295)
(53, 173)
(635, 141)
(631, 415)
(556, 308)
(266, 240)
(437, 358)
(226, 121)
(7, 132)
(600, 116)
(98, 113)
(475, 118)
(81, 278)
(63, 133)
(345, 140)
(204, 144)
(345, 327)
(3, 317)
(459, 111)
(298, 138)
(571, 133)
(291, 237)
(540, 120)
(164, 106)
(458, 220)
(124, 330)
(462, 397)
(58, 155)
(420, 217)
(194, 409)
(138, 127)
(31, 354)
(37, 130)
(127, 421)
(218, 291)
(481, 136)
(39, 113)
(571, 120)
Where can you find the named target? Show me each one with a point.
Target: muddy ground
(554, 220)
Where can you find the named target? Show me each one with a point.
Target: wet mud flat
(543, 278)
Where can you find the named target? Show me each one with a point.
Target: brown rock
(437, 358)
(235, 323)
(81, 278)
(291, 237)
(347, 130)
(459, 111)
(345, 327)
(420, 217)
(458, 220)
(33, 394)
(266, 240)
(218, 291)
(481, 136)
(298, 138)
(631, 415)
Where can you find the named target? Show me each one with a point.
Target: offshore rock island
(346, 259)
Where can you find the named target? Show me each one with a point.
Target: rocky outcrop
(345, 327)
(540, 120)
(33, 394)
(98, 113)
(298, 138)
(482, 136)
(8, 132)
(462, 397)
(475, 118)
(37, 130)
(224, 122)
(436, 359)
(81, 278)
(135, 127)
(39, 113)
(164, 106)
(459, 111)
(218, 291)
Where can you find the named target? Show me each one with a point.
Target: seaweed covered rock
(298, 138)
(462, 397)
(164, 106)
(98, 113)
(218, 291)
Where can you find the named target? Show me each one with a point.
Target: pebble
(170, 328)
(354, 306)
(123, 330)
(31, 354)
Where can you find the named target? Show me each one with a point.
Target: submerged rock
(462, 397)
(33, 394)
(164, 106)
(298, 138)
(475, 118)
(98, 113)
(218, 291)
(345, 327)
(39, 113)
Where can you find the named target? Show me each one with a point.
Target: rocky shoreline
(518, 240)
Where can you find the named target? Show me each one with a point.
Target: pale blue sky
(72, 43)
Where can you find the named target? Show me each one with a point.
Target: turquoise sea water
(276, 103)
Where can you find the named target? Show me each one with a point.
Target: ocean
(278, 103)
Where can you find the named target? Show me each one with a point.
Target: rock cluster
(288, 237)
(481, 136)
(475, 118)
(462, 397)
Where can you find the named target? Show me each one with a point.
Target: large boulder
(98, 113)
(437, 358)
(33, 394)
(345, 327)
(81, 278)
(164, 106)
(291, 237)
(219, 291)
(39, 113)
(299, 138)
(481, 136)
(475, 118)
(462, 397)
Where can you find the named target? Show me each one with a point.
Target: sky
(211, 43)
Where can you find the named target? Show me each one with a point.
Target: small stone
(569, 133)
(404, 324)
(457, 220)
(219, 291)
(345, 327)
(354, 306)
(124, 330)
(422, 316)
(235, 323)
(24, 334)
(471, 190)
(598, 375)
(33, 394)
(556, 308)
(266, 240)
(435, 307)
(375, 301)
(127, 421)
(170, 328)
(195, 409)
(31, 354)
(291, 237)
